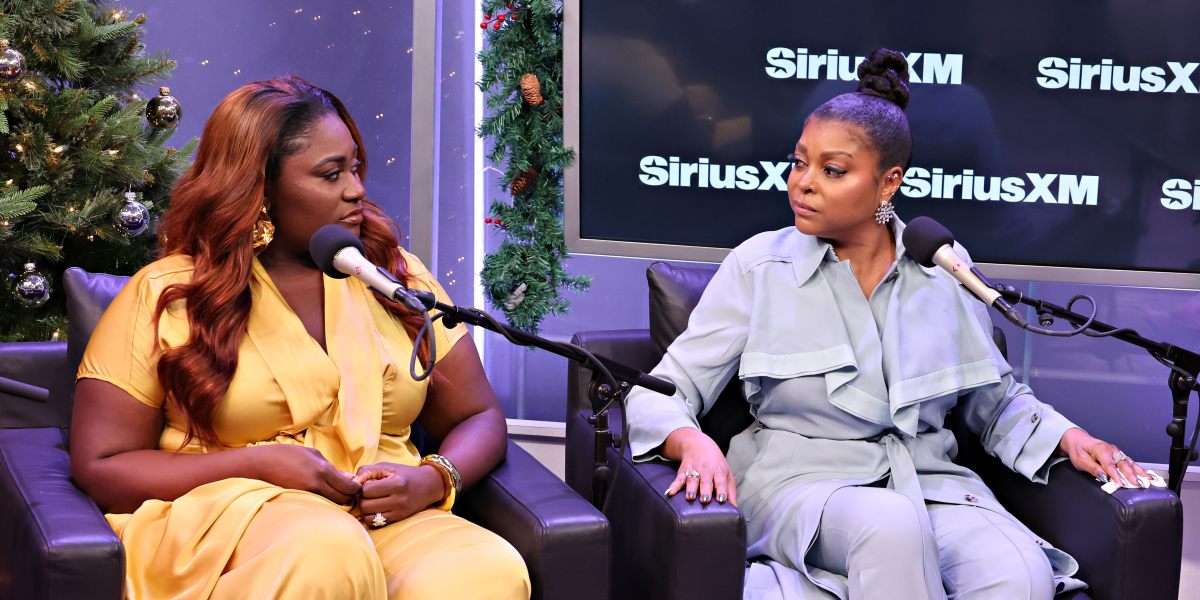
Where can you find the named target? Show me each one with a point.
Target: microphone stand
(611, 382)
(1184, 365)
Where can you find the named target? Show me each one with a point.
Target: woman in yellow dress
(244, 419)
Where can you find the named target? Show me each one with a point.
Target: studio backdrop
(1059, 134)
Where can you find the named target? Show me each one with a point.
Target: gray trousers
(873, 536)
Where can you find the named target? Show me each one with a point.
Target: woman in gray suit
(851, 354)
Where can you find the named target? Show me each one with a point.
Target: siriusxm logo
(787, 63)
(657, 170)
(1177, 196)
(1070, 189)
(1051, 188)
(1057, 73)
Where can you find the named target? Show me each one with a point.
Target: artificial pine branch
(527, 140)
(83, 143)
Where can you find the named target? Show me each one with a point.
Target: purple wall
(361, 58)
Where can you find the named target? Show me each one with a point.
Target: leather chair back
(674, 292)
(88, 296)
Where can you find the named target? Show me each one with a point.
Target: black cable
(1168, 364)
(1096, 334)
(426, 330)
(1073, 332)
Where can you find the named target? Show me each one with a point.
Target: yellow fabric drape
(354, 404)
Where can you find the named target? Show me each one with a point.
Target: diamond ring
(1120, 456)
(690, 473)
(379, 521)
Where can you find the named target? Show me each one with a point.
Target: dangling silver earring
(886, 211)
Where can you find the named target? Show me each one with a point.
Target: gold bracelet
(449, 478)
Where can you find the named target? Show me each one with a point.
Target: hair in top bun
(885, 75)
(877, 108)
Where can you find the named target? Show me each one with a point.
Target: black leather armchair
(1129, 544)
(55, 543)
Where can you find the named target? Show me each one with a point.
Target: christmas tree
(76, 143)
(522, 80)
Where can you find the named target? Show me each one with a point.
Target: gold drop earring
(264, 229)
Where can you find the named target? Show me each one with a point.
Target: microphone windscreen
(327, 242)
(922, 239)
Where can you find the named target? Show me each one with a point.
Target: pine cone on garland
(532, 90)
(521, 182)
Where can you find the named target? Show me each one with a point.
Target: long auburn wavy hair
(214, 207)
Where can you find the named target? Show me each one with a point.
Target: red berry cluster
(490, 220)
(499, 19)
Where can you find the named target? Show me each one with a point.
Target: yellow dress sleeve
(123, 348)
(445, 338)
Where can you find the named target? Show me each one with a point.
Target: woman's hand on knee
(398, 491)
(703, 471)
(300, 468)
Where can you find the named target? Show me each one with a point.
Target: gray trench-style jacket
(846, 390)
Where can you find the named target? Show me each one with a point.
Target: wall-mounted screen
(1061, 134)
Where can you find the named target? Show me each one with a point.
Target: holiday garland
(522, 83)
(76, 153)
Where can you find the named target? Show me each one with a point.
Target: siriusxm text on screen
(1071, 144)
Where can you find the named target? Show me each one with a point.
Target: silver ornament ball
(32, 288)
(12, 63)
(163, 111)
(134, 217)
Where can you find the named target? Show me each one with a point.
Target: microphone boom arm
(1184, 365)
(611, 382)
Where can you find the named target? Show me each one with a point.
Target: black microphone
(339, 254)
(928, 243)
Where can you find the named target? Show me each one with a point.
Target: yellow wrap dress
(243, 538)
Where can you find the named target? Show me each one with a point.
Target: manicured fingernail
(691, 496)
(668, 492)
(721, 498)
(704, 498)
(1102, 476)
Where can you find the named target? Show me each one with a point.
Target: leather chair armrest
(669, 548)
(41, 364)
(54, 542)
(1129, 544)
(563, 538)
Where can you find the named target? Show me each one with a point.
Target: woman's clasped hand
(299, 468)
(398, 491)
(393, 490)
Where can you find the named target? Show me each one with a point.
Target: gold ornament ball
(12, 63)
(163, 111)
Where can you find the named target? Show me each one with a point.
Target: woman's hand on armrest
(700, 457)
(1103, 460)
